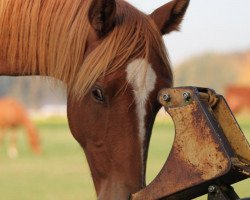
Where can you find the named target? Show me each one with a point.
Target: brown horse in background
(113, 61)
(13, 115)
(238, 98)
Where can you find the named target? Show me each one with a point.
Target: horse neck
(5, 69)
(39, 40)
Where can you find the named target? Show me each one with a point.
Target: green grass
(61, 172)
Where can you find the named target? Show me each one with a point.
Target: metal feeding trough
(209, 153)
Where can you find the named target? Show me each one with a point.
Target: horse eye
(97, 94)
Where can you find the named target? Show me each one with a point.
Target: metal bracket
(209, 147)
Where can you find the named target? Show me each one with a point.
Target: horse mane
(49, 37)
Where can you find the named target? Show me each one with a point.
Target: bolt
(211, 189)
(166, 97)
(186, 96)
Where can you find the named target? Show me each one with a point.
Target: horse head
(112, 58)
(129, 65)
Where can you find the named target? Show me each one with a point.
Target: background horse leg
(1, 137)
(2, 134)
(12, 150)
(32, 136)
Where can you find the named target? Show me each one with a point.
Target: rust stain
(196, 146)
(232, 130)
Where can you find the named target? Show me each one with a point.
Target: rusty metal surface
(201, 152)
(232, 130)
(196, 156)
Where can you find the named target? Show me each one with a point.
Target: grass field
(61, 172)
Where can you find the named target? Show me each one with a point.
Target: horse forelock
(49, 37)
(134, 36)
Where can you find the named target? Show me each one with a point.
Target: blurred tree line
(34, 92)
(211, 70)
(215, 71)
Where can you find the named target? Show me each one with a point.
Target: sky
(209, 26)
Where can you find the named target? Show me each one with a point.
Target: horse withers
(113, 61)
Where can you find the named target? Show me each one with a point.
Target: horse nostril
(97, 94)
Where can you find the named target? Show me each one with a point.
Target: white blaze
(142, 78)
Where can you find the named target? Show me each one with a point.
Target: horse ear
(102, 16)
(169, 17)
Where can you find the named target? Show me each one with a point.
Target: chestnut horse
(113, 61)
(238, 98)
(13, 115)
